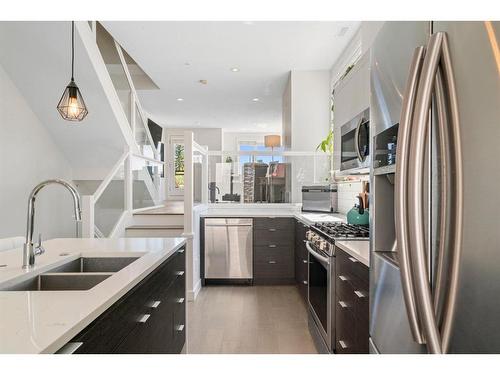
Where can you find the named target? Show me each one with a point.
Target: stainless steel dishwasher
(228, 252)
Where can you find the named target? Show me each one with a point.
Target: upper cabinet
(352, 94)
(306, 113)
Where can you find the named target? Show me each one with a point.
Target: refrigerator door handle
(416, 189)
(456, 183)
(401, 195)
(440, 279)
(437, 76)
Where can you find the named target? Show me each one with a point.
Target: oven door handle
(321, 258)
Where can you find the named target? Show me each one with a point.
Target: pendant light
(72, 106)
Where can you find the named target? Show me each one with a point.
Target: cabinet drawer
(278, 223)
(277, 270)
(264, 254)
(179, 323)
(350, 266)
(345, 329)
(273, 262)
(264, 237)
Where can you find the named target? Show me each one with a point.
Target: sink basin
(95, 264)
(60, 281)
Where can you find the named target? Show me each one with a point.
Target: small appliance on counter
(320, 198)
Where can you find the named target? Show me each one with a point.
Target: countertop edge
(347, 246)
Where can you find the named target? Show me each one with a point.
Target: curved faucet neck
(28, 254)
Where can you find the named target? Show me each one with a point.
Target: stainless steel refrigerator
(435, 246)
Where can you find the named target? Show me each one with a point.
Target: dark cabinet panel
(142, 321)
(352, 308)
(274, 223)
(274, 259)
(301, 259)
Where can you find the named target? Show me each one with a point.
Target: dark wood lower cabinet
(273, 251)
(352, 305)
(149, 319)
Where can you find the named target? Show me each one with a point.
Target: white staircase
(166, 221)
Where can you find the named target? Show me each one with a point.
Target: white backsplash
(347, 193)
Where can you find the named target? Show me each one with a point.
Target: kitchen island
(44, 321)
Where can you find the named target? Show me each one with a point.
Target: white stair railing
(107, 211)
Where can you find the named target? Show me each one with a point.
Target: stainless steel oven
(321, 294)
(355, 142)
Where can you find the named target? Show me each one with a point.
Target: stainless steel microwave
(355, 142)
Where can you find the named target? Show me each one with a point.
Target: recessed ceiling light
(255, 99)
(180, 99)
(235, 69)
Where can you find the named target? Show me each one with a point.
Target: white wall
(232, 139)
(211, 137)
(28, 155)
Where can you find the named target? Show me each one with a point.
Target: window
(179, 166)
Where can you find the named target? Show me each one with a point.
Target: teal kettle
(358, 215)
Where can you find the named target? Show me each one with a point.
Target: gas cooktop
(338, 231)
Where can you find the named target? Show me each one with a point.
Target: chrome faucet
(31, 250)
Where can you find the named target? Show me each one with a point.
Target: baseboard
(192, 294)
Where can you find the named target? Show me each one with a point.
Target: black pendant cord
(72, 49)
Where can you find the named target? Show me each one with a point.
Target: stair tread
(158, 213)
(154, 226)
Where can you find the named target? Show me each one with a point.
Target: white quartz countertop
(252, 210)
(359, 249)
(43, 321)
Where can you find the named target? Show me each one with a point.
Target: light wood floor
(248, 319)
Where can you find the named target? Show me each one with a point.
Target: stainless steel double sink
(80, 274)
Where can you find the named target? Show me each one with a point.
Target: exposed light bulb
(73, 106)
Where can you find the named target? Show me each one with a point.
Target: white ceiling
(176, 55)
(36, 56)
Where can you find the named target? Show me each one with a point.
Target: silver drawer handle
(354, 260)
(304, 261)
(180, 300)
(272, 262)
(155, 304)
(272, 230)
(179, 328)
(359, 294)
(304, 282)
(272, 246)
(144, 318)
(343, 304)
(179, 273)
(342, 344)
(343, 278)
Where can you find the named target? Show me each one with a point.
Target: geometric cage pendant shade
(72, 106)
